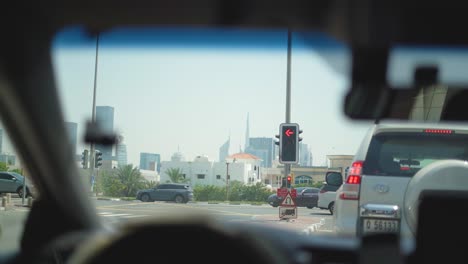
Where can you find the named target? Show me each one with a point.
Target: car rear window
(329, 188)
(404, 154)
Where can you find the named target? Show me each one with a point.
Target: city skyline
(226, 146)
(247, 145)
(168, 100)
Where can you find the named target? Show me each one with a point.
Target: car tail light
(439, 131)
(350, 190)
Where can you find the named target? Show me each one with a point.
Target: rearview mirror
(334, 179)
(429, 94)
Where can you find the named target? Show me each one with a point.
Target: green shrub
(237, 192)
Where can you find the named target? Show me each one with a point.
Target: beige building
(339, 162)
(272, 176)
(315, 174)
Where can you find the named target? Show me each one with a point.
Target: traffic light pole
(287, 167)
(93, 118)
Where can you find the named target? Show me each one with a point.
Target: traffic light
(289, 143)
(288, 179)
(98, 159)
(84, 159)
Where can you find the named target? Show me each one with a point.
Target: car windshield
(190, 120)
(201, 107)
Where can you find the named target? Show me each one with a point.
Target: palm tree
(131, 179)
(176, 176)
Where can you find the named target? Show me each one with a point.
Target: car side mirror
(334, 179)
(14, 179)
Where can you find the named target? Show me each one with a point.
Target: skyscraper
(263, 148)
(305, 158)
(121, 152)
(224, 151)
(105, 118)
(72, 129)
(150, 161)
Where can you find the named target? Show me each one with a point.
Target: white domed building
(242, 167)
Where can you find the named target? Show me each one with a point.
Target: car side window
(330, 188)
(4, 176)
(162, 187)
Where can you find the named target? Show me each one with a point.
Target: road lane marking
(126, 209)
(134, 216)
(112, 207)
(128, 204)
(215, 210)
(115, 215)
(154, 211)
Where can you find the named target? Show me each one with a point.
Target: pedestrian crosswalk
(114, 217)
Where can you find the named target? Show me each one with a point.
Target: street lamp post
(93, 117)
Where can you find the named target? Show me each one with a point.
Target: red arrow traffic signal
(288, 147)
(289, 132)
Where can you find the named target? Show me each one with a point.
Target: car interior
(62, 226)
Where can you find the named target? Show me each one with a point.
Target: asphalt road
(117, 212)
(120, 212)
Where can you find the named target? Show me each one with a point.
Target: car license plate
(380, 226)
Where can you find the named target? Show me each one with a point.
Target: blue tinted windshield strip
(176, 37)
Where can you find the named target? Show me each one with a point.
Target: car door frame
(309, 199)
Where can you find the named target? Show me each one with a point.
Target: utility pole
(287, 167)
(93, 118)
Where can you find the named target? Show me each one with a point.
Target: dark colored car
(179, 193)
(306, 197)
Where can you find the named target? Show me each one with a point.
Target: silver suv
(391, 156)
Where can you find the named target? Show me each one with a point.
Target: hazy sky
(195, 98)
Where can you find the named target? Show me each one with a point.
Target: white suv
(372, 198)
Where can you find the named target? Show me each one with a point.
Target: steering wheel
(176, 241)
